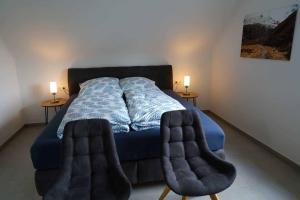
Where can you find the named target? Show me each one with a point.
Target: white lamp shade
(186, 81)
(53, 87)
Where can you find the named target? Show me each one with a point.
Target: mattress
(134, 145)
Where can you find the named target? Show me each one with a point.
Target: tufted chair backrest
(182, 141)
(88, 137)
(91, 169)
(181, 134)
(189, 167)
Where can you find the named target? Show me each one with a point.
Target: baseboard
(277, 154)
(11, 137)
(18, 132)
(34, 124)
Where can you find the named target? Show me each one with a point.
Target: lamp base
(186, 93)
(54, 99)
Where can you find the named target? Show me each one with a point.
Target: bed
(139, 151)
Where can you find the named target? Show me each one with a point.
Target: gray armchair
(91, 169)
(189, 167)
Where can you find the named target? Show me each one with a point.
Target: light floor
(260, 174)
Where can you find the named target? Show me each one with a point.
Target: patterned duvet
(99, 99)
(146, 103)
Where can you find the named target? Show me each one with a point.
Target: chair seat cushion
(196, 177)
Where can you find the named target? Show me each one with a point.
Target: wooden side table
(49, 104)
(192, 95)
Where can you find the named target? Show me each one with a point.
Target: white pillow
(101, 86)
(137, 83)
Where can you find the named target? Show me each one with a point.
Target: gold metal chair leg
(165, 193)
(214, 197)
(184, 198)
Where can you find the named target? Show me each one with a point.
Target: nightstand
(192, 95)
(49, 104)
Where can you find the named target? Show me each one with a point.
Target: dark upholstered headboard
(161, 74)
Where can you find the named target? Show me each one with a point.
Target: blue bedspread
(134, 145)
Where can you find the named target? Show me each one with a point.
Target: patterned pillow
(101, 86)
(137, 83)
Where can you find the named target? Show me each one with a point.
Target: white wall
(47, 37)
(10, 101)
(261, 97)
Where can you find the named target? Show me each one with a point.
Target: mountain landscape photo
(269, 35)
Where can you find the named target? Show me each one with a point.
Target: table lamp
(53, 91)
(186, 83)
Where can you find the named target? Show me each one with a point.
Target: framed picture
(269, 34)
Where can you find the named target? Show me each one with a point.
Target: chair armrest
(216, 161)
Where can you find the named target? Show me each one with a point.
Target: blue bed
(134, 145)
(139, 151)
